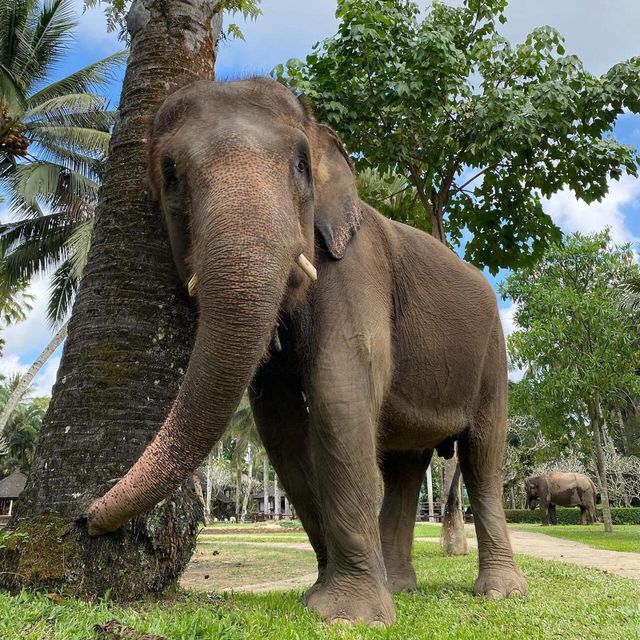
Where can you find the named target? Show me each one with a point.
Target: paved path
(528, 543)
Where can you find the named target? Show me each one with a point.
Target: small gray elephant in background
(564, 489)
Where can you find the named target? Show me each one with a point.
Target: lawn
(625, 537)
(226, 566)
(565, 602)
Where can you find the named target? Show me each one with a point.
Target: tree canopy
(482, 129)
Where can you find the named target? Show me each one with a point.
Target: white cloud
(10, 365)
(571, 214)
(509, 325)
(507, 318)
(92, 31)
(32, 335)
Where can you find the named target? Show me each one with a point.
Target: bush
(567, 515)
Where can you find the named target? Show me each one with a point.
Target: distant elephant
(396, 350)
(564, 489)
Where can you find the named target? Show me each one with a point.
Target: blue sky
(600, 33)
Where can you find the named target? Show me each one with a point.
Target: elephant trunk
(241, 281)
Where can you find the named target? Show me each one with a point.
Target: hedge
(566, 515)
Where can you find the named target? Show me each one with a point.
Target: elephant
(564, 489)
(365, 344)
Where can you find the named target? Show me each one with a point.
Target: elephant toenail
(494, 594)
(341, 621)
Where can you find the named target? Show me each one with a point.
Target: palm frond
(72, 160)
(63, 105)
(87, 80)
(13, 234)
(62, 291)
(51, 185)
(10, 90)
(42, 247)
(79, 244)
(84, 139)
(50, 39)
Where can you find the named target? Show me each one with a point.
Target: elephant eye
(170, 174)
(302, 165)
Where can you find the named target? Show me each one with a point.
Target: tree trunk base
(454, 542)
(47, 551)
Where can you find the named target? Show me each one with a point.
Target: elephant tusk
(192, 287)
(307, 267)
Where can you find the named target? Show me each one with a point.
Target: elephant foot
(500, 582)
(401, 579)
(352, 600)
(313, 588)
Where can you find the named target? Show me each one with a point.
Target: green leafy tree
(580, 347)
(18, 442)
(480, 128)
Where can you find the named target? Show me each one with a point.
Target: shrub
(619, 515)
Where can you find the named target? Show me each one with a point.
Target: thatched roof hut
(10, 488)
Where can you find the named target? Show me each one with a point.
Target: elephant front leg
(544, 512)
(283, 424)
(344, 448)
(403, 473)
(552, 514)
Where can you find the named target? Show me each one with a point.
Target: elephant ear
(337, 206)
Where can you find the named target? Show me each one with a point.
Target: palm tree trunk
(247, 493)
(27, 378)
(430, 492)
(128, 345)
(265, 485)
(276, 498)
(207, 491)
(238, 491)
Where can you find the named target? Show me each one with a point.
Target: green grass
(625, 537)
(565, 602)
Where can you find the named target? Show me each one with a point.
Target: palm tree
(53, 140)
(14, 305)
(18, 442)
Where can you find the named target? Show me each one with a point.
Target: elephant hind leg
(552, 514)
(593, 514)
(481, 450)
(403, 473)
(583, 515)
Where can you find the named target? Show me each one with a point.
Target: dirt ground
(271, 566)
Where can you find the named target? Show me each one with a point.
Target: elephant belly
(569, 497)
(406, 426)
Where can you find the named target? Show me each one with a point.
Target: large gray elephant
(396, 350)
(564, 489)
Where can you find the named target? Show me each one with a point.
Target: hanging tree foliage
(482, 129)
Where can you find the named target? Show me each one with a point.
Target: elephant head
(531, 485)
(246, 179)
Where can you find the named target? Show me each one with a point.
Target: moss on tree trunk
(128, 346)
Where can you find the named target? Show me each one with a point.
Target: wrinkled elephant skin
(395, 349)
